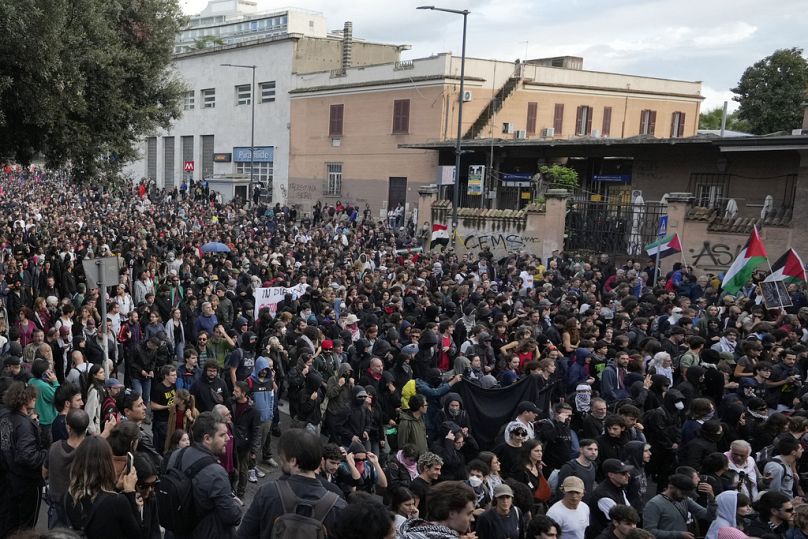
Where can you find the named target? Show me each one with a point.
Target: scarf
(411, 468)
(582, 401)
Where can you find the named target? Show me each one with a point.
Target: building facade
(212, 138)
(348, 128)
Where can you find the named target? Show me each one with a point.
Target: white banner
(270, 297)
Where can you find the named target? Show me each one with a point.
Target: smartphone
(129, 463)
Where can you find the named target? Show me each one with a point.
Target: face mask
(475, 482)
(453, 412)
(709, 416)
(679, 405)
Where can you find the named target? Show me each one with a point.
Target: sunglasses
(145, 486)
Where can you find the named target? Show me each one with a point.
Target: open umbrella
(215, 247)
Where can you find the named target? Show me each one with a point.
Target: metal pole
(724, 119)
(252, 132)
(458, 146)
(103, 289)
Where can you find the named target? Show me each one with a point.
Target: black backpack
(175, 495)
(294, 525)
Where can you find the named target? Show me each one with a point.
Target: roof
(750, 143)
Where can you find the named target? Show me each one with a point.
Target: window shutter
(588, 130)
(530, 125)
(401, 116)
(681, 124)
(578, 117)
(652, 122)
(558, 118)
(674, 124)
(644, 122)
(607, 121)
(335, 121)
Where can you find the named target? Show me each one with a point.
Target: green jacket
(44, 400)
(412, 431)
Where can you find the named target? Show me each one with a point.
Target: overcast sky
(708, 40)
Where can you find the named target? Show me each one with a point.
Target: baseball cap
(503, 490)
(615, 466)
(111, 383)
(573, 484)
(12, 360)
(328, 344)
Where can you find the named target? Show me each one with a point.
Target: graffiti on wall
(499, 243)
(713, 256)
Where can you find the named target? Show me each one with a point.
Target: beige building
(347, 125)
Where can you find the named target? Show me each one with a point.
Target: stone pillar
(427, 194)
(678, 205)
(555, 219)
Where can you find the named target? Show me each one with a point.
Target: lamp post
(252, 121)
(458, 143)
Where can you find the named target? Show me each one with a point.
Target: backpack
(175, 495)
(764, 456)
(294, 525)
(6, 444)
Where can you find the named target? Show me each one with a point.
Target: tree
(712, 120)
(83, 80)
(772, 90)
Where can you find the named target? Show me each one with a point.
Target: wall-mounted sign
(263, 154)
(612, 178)
(516, 179)
(224, 157)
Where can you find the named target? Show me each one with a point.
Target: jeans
(243, 466)
(23, 510)
(266, 440)
(56, 513)
(159, 430)
(144, 388)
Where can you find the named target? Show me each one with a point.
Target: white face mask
(475, 481)
(679, 405)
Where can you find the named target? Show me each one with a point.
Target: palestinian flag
(788, 268)
(440, 236)
(750, 257)
(669, 245)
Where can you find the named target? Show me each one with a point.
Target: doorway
(397, 193)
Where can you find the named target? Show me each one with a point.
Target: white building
(212, 136)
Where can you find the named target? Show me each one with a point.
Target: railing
(607, 227)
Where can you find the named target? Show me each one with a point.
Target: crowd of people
(406, 393)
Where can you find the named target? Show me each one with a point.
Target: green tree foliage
(560, 175)
(712, 120)
(771, 91)
(82, 80)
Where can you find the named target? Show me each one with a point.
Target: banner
(270, 297)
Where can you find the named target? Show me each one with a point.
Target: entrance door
(241, 193)
(397, 193)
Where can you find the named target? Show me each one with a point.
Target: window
(606, 129)
(267, 91)
(333, 184)
(401, 116)
(530, 124)
(335, 120)
(188, 100)
(243, 94)
(558, 118)
(583, 120)
(209, 98)
(677, 124)
(647, 122)
(263, 172)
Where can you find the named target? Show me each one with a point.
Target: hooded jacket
(262, 393)
(433, 388)
(663, 424)
(309, 409)
(638, 483)
(412, 430)
(358, 422)
(725, 516)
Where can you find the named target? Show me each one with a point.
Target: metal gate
(611, 227)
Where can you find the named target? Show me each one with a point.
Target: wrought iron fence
(613, 228)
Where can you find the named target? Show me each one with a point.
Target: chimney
(347, 45)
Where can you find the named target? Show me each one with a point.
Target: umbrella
(215, 247)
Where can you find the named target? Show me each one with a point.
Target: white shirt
(573, 523)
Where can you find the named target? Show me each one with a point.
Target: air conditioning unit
(521, 133)
(596, 133)
(548, 132)
(467, 96)
(507, 127)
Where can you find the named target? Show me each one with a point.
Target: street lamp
(252, 121)
(458, 149)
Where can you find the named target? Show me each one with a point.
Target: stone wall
(537, 229)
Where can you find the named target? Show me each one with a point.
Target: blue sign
(663, 226)
(263, 154)
(612, 178)
(516, 179)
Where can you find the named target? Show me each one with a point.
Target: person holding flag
(749, 258)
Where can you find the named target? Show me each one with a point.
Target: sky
(712, 41)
